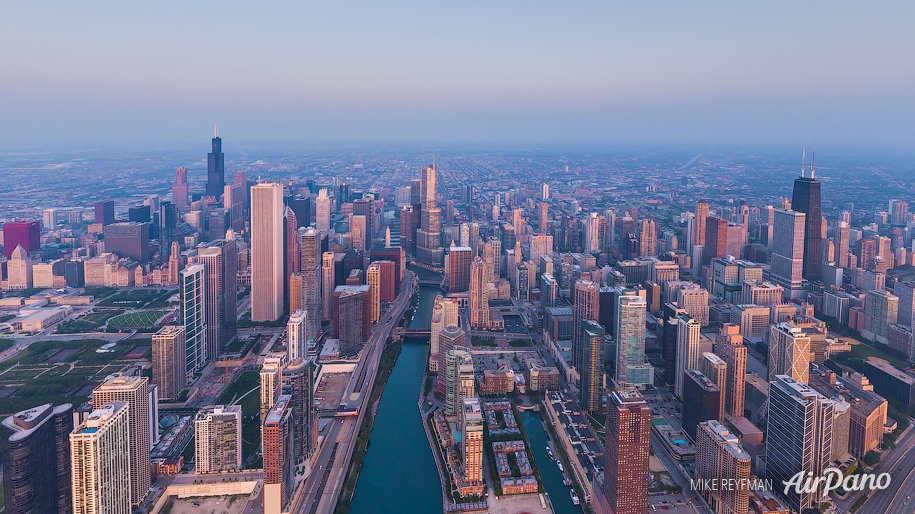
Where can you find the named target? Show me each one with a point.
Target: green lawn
(90, 322)
(138, 320)
(136, 298)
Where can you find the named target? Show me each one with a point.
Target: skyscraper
(701, 400)
(881, 309)
(327, 284)
(631, 366)
(220, 258)
(192, 286)
(585, 306)
(688, 353)
(788, 252)
(479, 296)
(452, 337)
(169, 365)
(217, 439)
(373, 280)
(322, 211)
(310, 243)
(100, 457)
(472, 441)
(216, 167)
(729, 345)
(720, 456)
(35, 450)
(180, 189)
(798, 438)
(592, 365)
(626, 453)
(296, 336)
(459, 380)
(266, 251)
(278, 434)
(648, 239)
(134, 391)
(806, 199)
(104, 212)
(789, 352)
(271, 382)
(699, 223)
(22, 233)
(298, 383)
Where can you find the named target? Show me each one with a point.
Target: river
(399, 475)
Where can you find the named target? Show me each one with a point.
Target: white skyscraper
(217, 439)
(322, 210)
(688, 353)
(296, 336)
(100, 462)
(192, 286)
(267, 251)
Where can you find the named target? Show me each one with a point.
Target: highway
(900, 464)
(321, 489)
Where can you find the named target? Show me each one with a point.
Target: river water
(399, 475)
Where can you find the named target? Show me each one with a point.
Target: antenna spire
(813, 161)
(215, 130)
(803, 158)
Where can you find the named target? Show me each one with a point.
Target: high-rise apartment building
(719, 456)
(479, 296)
(729, 345)
(688, 350)
(271, 382)
(451, 338)
(460, 259)
(373, 280)
(296, 336)
(701, 400)
(134, 391)
(328, 272)
(311, 242)
(626, 453)
(592, 365)
(100, 461)
(278, 436)
(35, 451)
(220, 258)
(472, 441)
(881, 309)
(459, 380)
(631, 366)
(217, 439)
(169, 365)
(585, 306)
(267, 252)
(798, 438)
(299, 382)
(192, 285)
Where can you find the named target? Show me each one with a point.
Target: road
(322, 488)
(678, 475)
(900, 464)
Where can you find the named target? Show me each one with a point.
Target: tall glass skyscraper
(216, 167)
(806, 199)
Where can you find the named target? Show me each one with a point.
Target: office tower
(140, 213)
(472, 441)
(292, 259)
(192, 285)
(311, 241)
(631, 366)
(128, 239)
(798, 437)
(789, 352)
(648, 239)
(168, 224)
(21, 233)
(322, 211)
(592, 365)
(905, 291)
(544, 191)
(450, 338)
(327, 284)
(428, 237)
(459, 380)
(881, 309)
(699, 223)
(234, 197)
(169, 364)
(788, 252)
(688, 353)
(358, 232)
(301, 205)
(585, 306)
(216, 167)
(842, 240)
(19, 270)
(460, 258)
(729, 346)
(479, 296)
(104, 212)
(694, 300)
(541, 244)
(701, 400)
(101, 462)
(762, 293)
(719, 456)
(806, 199)
(716, 370)
(296, 336)
(351, 319)
(544, 218)
(298, 383)
(278, 434)
(716, 239)
(592, 233)
(267, 251)
(428, 187)
(134, 391)
(373, 280)
(271, 382)
(35, 450)
(626, 453)
(295, 292)
(180, 190)
(217, 439)
(220, 260)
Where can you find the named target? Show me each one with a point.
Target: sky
(498, 71)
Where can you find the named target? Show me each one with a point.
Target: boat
(550, 452)
(566, 481)
(560, 465)
(575, 500)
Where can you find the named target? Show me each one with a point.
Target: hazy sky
(476, 71)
